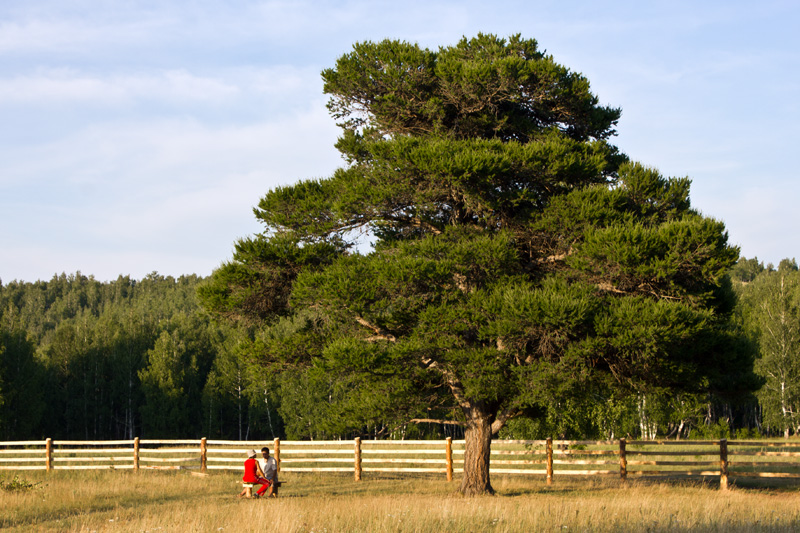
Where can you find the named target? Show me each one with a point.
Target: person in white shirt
(269, 466)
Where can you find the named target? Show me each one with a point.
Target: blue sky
(136, 136)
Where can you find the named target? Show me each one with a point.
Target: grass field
(177, 501)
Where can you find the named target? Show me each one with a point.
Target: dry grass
(176, 501)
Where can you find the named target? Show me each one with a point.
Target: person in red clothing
(253, 474)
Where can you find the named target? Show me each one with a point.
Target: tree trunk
(478, 446)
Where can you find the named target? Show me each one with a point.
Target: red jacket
(250, 470)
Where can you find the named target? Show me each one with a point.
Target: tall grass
(176, 501)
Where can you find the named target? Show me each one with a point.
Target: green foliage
(787, 265)
(484, 87)
(748, 433)
(80, 359)
(21, 381)
(720, 430)
(18, 484)
(520, 265)
(745, 270)
(255, 285)
(770, 313)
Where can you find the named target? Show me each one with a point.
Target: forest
(83, 359)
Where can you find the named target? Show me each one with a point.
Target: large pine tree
(517, 257)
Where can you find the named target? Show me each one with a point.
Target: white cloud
(174, 187)
(59, 86)
(52, 31)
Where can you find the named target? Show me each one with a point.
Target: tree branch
(504, 416)
(432, 421)
(380, 334)
(452, 382)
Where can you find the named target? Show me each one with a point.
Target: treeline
(82, 359)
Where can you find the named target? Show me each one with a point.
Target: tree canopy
(518, 258)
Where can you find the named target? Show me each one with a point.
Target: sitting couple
(263, 472)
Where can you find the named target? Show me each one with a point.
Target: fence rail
(550, 458)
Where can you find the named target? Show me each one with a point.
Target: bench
(247, 489)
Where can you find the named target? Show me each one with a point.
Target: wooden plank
(586, 452)
(243, 443)
(319, 460)
(519, 452)
(403, 452)
(768, 454)
(94, 467)
(23, 467)
(785, 443)
(672, 463)
(358, 468)
(674, 442)
(520, 462)
(557, 473)
(519, 471)
(674, 472)
(23, 451)
(90, 459)
(311, 443)
(449, 458)
(579, 462)
(167, 441)
(284, 451)
(584, 443)
(403, 442)
(143, 458)
(680, 454)
(319, 469)
(242, 452)
(417, 470)
(406, 461)
(526, 442)
(623, 460)
(169, 450)
(128, 451)
(92, 442)
(22, 460)
(228, 451)
(23, 443)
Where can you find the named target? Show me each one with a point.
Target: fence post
(48, 454)
(549, 448)
(448, 447)
(623, 461)
(203, 455)
(136, 454)
(358, 459)
(723, 464)
(276, 452)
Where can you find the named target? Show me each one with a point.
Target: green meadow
(178, 501)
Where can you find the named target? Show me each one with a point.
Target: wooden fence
(549, 458)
